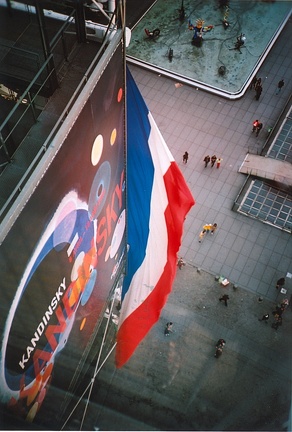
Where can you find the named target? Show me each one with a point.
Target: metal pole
(2, 144)
(80, 21)
(46, 47)
(64, 47)
(9, 7)
(31, 104)
(112, 8)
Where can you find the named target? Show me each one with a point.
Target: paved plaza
(175, 383)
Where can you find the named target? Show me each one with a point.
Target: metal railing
(18, 188)
(26, 99)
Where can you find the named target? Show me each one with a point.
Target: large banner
(63, 255)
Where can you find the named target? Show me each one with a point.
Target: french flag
(158, 200)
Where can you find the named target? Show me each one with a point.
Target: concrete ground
(175, 383)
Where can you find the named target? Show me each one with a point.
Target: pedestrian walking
(255, 125)
(285, 304)
(280, 85)
(202, 235)
(280, 283)
(207, 160)
(258, 84)
(278, 322)
(168, 329)
(265, 318)
(185, 157)
(278, 312)
(253, 82)
(224, 298)
(281, 309)
(259, 128)
(213, 228)
(180, 263)
(218, 162)
(207, 227)
(219, 347)
(213, 160)
(259, 90)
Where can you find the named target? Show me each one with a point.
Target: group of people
(213, 159)
(256, 84)
(207, 159)
(280, 309)
(277, 314)
(211, 228)
(257, 127)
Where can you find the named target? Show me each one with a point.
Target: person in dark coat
(253, 82)
(280, 85)
(265, 318)
(224, 298)
(255, 125)
(277, 323)
(280, 283)
(258, 83)
(185, 157)
(259, 128)
(207, 160)
(168, 329)
(259, 90)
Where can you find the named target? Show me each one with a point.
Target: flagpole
(123, 23)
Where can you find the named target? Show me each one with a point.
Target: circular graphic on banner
(118, 234)
(82, 324)
(120, 94)
(96, 151)
(99, 190)
(113, 137)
